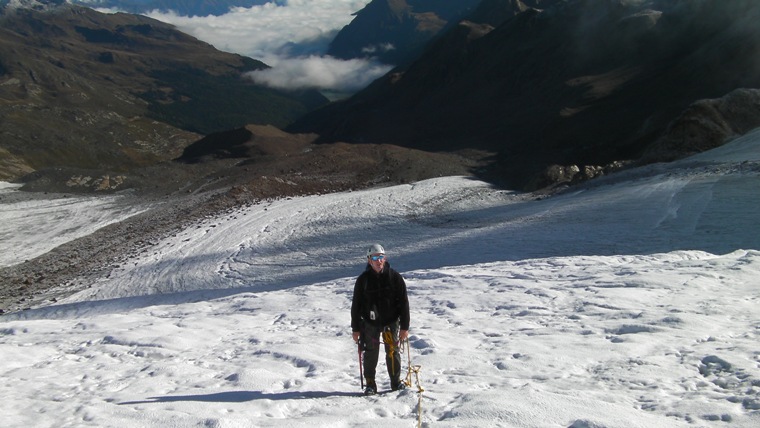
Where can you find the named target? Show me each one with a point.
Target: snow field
(34, 226)
(613, 341)
(631, 302)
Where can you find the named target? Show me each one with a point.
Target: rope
(408, 381)
(388, 339)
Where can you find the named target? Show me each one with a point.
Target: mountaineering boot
(371, 388)
(397, 385)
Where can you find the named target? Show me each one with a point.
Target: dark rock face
(707, 124)
(578, 82)
(396, 31)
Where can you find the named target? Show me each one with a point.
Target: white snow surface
(632, 302)
(32, 226)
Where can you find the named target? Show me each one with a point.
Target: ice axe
(361, 370)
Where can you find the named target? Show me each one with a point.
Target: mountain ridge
(112, 92)
(181, 7)
(558, 85)
(577, 82)
(396, 31)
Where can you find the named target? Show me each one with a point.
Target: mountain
(495, 12)
(396, 31)
(578, 82)
(88, 90)
(181, 7)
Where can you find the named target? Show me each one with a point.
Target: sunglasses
(376, 258)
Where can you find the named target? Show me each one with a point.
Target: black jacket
(385, 294)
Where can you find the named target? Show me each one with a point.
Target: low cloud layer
(291, 36)
(321, 72)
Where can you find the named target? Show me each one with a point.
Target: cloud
(260, 30)
(289, 35)
(383, 47)
(322, 72)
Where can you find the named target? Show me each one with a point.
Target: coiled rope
(412, 369)
(408, 380)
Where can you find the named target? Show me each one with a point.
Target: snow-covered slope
(32, 226)
(630, 302)
(700, 204)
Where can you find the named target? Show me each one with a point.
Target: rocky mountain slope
(86, 90)
(577, 82)
(396, 31)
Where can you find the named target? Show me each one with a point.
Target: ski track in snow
(631, 303)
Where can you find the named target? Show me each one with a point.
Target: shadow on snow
(242, 396)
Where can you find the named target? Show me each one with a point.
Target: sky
(291, 36)
(631, 301)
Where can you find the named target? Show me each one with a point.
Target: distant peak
(32, 4)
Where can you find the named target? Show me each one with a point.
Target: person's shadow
(243, 396)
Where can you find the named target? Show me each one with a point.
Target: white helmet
(375, 249)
